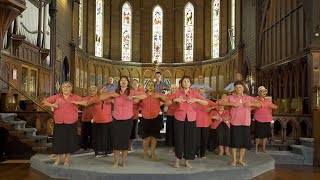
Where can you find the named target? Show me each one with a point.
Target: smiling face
(202, 91)
(92, 91)
(66, 88)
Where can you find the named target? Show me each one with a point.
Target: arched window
(215, 28)
(188, 32)
(232, 29)
(99, 28)
(126, 31)
(157, 26)
(80, 24)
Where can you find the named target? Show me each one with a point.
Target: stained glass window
(80, 23)
(99, 28)
(126, 31)
(188, 32)
(157, 26)
(215, 28)
(232, 31)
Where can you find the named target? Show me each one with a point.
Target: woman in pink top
(86, 124)
(65, 139)
(151, 121)
(102, 119)
(240, 110)
(185, 121)
(135, 86)
(122, 114)
(263, 117)
(221, 125)
(203, 121)
(170, 117)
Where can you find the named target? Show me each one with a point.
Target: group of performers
(111, 114)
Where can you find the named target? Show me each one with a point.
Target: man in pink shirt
(240, 108)
(263, 117)
(185, 121)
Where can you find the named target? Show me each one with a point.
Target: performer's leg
(153, 147)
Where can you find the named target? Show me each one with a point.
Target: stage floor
(86, 166)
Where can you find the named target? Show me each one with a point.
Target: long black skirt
(262, 129)
(223, 135)
(150, 127)
(102, 137)
(121, 132)
(65, 139)
(240, 137)
(133, 134)
(170, 131)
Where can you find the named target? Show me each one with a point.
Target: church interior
(271, 43)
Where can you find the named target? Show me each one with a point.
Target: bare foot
(124, 164)
(177, 164)
(145, 156)
(242, 163)
(153, 156)
(203, 157)
(187, 164)
(233, 163)
(264, 151)
(66, 164)
(56, 163)
(115, 165)
(256, 151)
(220, 153)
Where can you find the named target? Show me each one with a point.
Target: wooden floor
(19, 171)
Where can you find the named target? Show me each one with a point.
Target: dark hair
(158, 72)
(186, 77)
(245, 89)
(154, 85)
(127, 92)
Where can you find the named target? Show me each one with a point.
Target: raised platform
(86, 166)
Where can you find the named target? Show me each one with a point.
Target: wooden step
(17, 133)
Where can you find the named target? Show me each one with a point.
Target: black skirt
(170, 131)
(121, 132)
(102, 137)
(223, 135)
(262, 129)
(240, 137)
(212, 145)
(150, 127)
(65, 139)
(134, 129)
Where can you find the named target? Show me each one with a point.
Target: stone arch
(135, 74)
